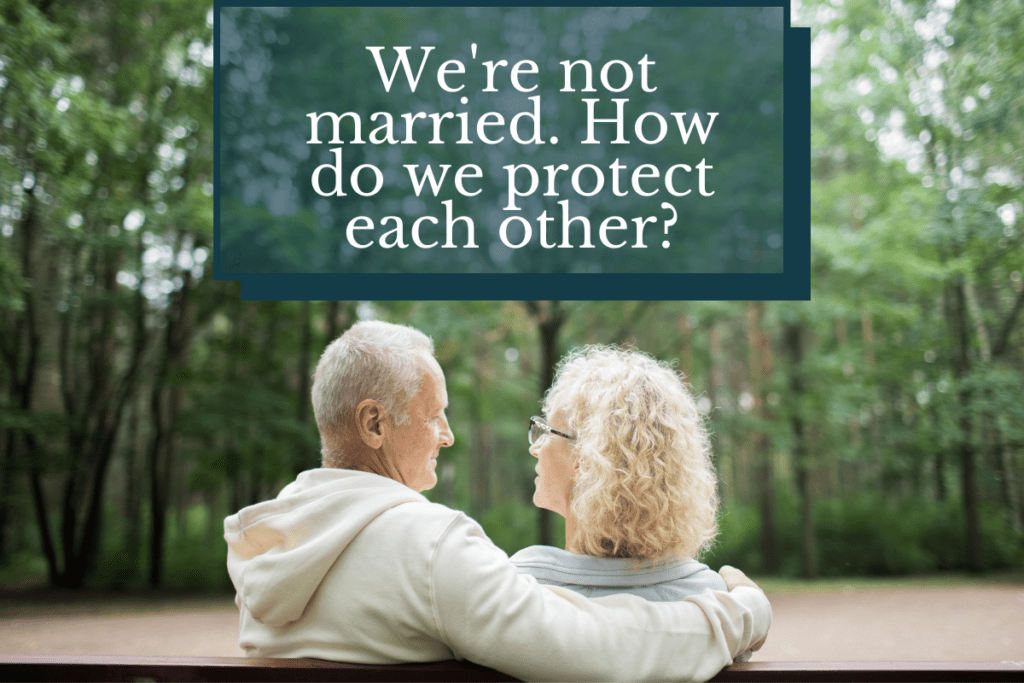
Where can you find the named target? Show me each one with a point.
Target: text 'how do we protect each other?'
(521, 180)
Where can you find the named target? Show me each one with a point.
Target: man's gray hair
(373, 359)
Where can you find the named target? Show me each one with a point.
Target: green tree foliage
(916, 207)
(106, 193)
(875, 429)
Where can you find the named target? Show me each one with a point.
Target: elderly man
(351, 563)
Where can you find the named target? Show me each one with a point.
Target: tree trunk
(686, 347)
(876, 467)
(133, 494)
(550, 318)
(21, 352)
(969, 484)
(793, 334)
(481, 466)
(332, 322)
(42, 520)
(213, 517)
(94, 398)
(965, 446)
(1009, 477)
(93, 528)
(760, 369)
(179, 479)
(156, 468)
(301, 458)
(716, 379)
(305, 352)
(999, 452)
(940, 452)
(177, 337)
(6, 474)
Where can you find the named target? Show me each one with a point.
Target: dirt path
(969, 623)
(206, 627)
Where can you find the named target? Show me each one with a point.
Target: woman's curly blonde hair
(646, 487)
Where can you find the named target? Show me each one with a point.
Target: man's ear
(370, 423)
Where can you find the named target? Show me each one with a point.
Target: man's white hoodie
(351, 566)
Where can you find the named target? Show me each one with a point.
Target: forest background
(877, 429)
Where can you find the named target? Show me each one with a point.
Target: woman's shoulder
(534, 554)
(554, 566)
(693, 578)
(557, 566)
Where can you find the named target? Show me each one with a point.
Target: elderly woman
(624, 456)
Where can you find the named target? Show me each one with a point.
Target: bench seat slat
(243, 670)
(230, 669)
(871, 672)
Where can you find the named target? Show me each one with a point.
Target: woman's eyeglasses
(538, 428)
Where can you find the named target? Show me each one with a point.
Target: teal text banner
(503, 153)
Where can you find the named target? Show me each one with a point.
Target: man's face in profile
(414, 446)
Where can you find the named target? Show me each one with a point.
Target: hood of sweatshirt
(280, 550)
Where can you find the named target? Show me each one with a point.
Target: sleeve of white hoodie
(487, 612)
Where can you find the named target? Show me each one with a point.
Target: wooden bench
(110, 668)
